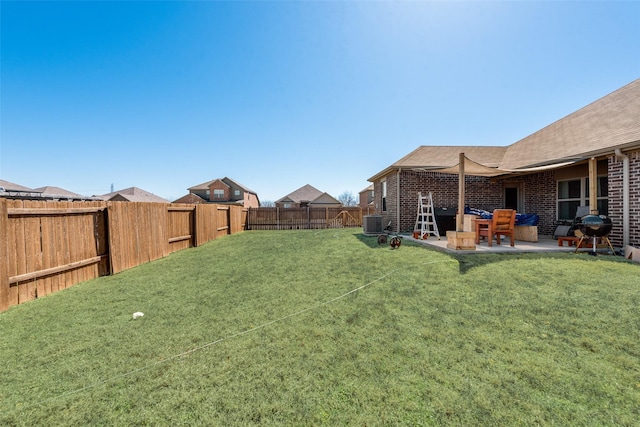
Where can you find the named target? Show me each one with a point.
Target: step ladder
(426, 219)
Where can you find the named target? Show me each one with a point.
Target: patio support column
(593, 186)
(460, 216)
(460, 239)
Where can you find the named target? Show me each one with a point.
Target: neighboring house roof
(325, 198)
(190, 198)
(133, 194)
(598, 129)
(205, 185)
(306, 193)
(225, 180)
(57, 192)
(12, 187)
(237, 184)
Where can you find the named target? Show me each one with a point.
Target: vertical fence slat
(27, 289)
(48, 247)
(275, 218)
(123, 235)
(4, 256)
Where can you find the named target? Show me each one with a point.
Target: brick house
(222, 191)
(546, 173)
(308, 196)
(366, 197)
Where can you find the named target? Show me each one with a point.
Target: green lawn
(328, 328)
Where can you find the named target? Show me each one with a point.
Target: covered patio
(544, 244)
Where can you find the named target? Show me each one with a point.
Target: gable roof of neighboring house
(225, 180)
(611, 122)
(133, 194)
(190, 198)
(205, 185)
(61, 193)
(325, 199)
(17, 188)
(306, 193)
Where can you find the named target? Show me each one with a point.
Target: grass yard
(328, 328)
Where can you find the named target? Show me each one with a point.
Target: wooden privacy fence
(304, 218)
(47, 246)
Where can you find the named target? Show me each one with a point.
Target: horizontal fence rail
(47, 246)
(304, 218)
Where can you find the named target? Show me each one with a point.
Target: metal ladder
(426, 220)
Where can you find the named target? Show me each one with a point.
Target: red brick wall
(539, 192)
(218, 185)
(540, 198)
(615, 199)
(250, 200)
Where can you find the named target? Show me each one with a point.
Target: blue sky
(279, 94)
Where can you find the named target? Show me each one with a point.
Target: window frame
(384, 195)
(583, 199)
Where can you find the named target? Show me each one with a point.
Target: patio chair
(502, 224)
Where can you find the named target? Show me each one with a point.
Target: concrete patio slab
(544, 244)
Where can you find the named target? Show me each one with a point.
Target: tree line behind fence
(47, 246)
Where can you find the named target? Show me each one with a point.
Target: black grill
(595, 226)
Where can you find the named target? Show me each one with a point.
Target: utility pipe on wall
(625, 196)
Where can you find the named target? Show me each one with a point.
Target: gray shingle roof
(306, 193)
(57, 191)
(228, 181)
(611, 121)
(134, 194)
(10, 186)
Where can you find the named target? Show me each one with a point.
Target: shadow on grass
(470, 261)
(466, 262)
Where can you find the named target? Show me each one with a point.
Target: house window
(218, 194)
(236, 193)
(575, 192)
(287, 205)
(384, 196)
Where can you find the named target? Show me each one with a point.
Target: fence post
(4, 256)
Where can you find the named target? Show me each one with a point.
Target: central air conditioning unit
(372, 224)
